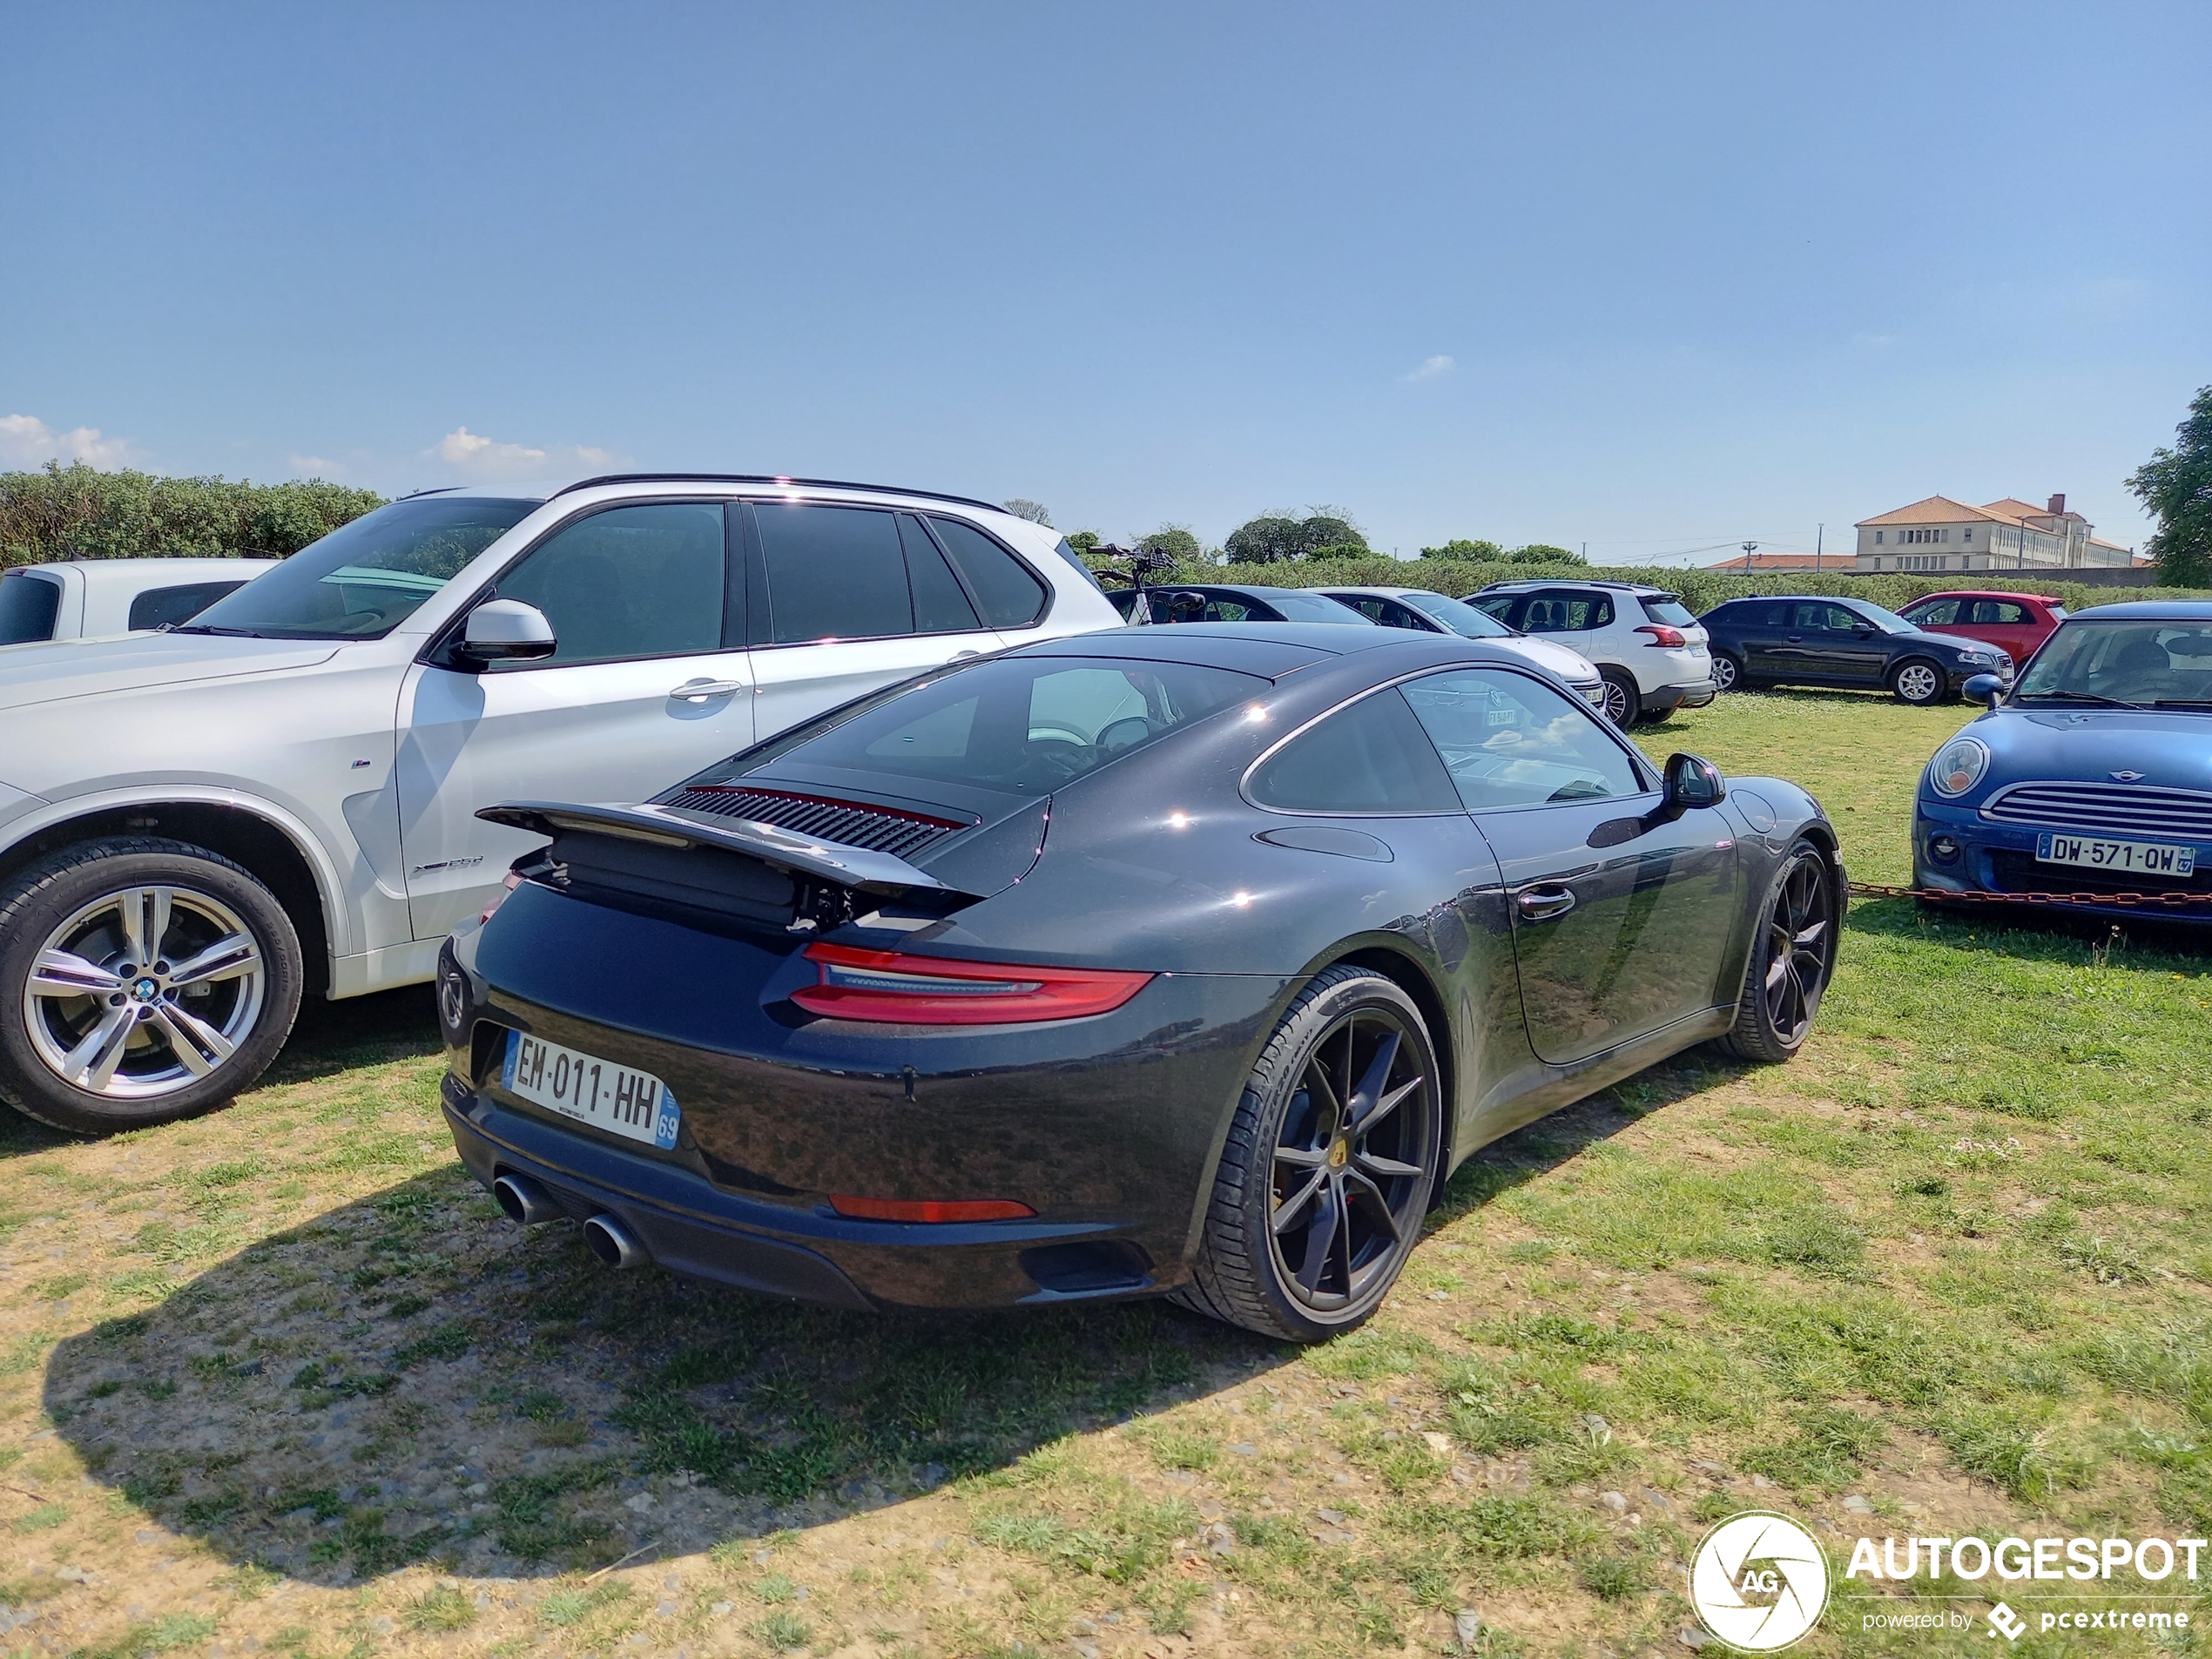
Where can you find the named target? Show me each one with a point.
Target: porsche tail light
(507, 887)
(1667, 638)
(936, 1209)
(904, 989)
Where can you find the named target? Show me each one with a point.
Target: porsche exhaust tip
(614, 1243)
(522, 1200)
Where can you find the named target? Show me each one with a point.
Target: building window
(1877, 538)
(1969, 536)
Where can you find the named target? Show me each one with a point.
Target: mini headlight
(1958, 766)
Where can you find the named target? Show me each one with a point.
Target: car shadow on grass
(413, 1378)
(2045, 933)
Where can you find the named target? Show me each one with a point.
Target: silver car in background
(279, 798)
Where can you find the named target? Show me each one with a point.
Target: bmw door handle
(699, 691)
(1543, 904)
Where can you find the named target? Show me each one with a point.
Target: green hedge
(78, 512)
(1700, 590)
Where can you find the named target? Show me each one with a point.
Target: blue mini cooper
(2094, 775)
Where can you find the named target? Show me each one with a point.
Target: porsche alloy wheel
(1330, 1164)
(1791, 958)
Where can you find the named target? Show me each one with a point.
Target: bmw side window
(1006, 593)
(1371, 758)
(28, 605)
(940, 605)
(833, 573)
(1508, 741)
(630, 582)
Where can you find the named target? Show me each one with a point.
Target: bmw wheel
(1791, 958)
(1728, 673)
(1328, 1166)
(140, 980)
(1917, 681)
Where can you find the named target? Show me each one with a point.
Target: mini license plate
(635, 1104)
(2129, 858)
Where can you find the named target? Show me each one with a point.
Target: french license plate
(2130, 857)
(635, 1104)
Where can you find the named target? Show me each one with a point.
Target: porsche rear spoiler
(855, 867)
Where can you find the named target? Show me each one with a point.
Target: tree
(1177, 543)
(1274, 537)
(1459, 548)
(1035, 511)
(1085, 541)
(1544, 553)
(78, 512)
(2176, 485)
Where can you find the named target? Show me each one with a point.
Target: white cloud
(1432, 369)
(26, 441)
(313, 467)
(473, 456)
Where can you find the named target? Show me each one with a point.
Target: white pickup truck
(79, 598)
(279, 798)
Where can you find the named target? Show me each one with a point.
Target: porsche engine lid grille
(880, 829)
(2106, 809)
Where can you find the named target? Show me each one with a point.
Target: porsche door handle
(699, 691)
(1542, 904)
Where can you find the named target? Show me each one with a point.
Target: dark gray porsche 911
(1171, 960)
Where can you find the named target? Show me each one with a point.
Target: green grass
(1954, 1255)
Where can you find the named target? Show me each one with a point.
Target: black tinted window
(834, 572)
(1830, 619)
(1008, 594)
(160, 607)
(28, 607)
(1936, 613)
(1372, 756)
(1998, 610)
(1025, 725)
(1510, 740)
(1669, 609)
(1762, 614)
(1503, 607)
(939, 605)
(632, 581)
(1567, 613)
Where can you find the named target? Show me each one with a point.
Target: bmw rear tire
(1329, 1166)
(141, 980)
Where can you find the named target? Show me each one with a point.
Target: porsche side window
(1370, 758)
(1510, 740)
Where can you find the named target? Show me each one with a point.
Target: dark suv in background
(1814, 640)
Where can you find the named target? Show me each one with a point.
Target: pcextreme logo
(1759, 1582)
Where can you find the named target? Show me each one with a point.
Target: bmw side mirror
(1985, 689)
(1692, 780)
(506, 631)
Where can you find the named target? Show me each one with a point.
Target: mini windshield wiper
(2183, 703)
(227, 633)
(2077, 696)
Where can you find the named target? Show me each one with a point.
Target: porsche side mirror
(1985, 689)
(1692, 780)
(506, 631)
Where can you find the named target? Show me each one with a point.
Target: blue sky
(1652, 278)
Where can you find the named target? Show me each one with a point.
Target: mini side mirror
(1985, 689)
(1692, 780)
(506, 631)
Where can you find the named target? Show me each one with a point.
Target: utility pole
(1819, 540)
(1750, 547)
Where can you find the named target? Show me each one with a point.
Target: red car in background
(2017, 622)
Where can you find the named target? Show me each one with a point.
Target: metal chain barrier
(2124, 900)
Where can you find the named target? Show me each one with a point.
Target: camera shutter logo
(1759, 1582)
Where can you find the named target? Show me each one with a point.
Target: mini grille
(2112, 809)
(877, 828)
(2019, 872)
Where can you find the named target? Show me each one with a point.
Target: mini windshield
(2138, 664)
(364, 578)
(1023, 724)
(1460, 617)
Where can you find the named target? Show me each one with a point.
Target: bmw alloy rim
(144, 992)
(1798, 942)
(1916, 682)
(1350, 1174)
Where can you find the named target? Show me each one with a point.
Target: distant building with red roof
(1940, 534)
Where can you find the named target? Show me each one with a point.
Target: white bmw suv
(1653, 655)
(280, 797)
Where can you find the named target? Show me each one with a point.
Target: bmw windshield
(364, 578)
(2134, 664)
